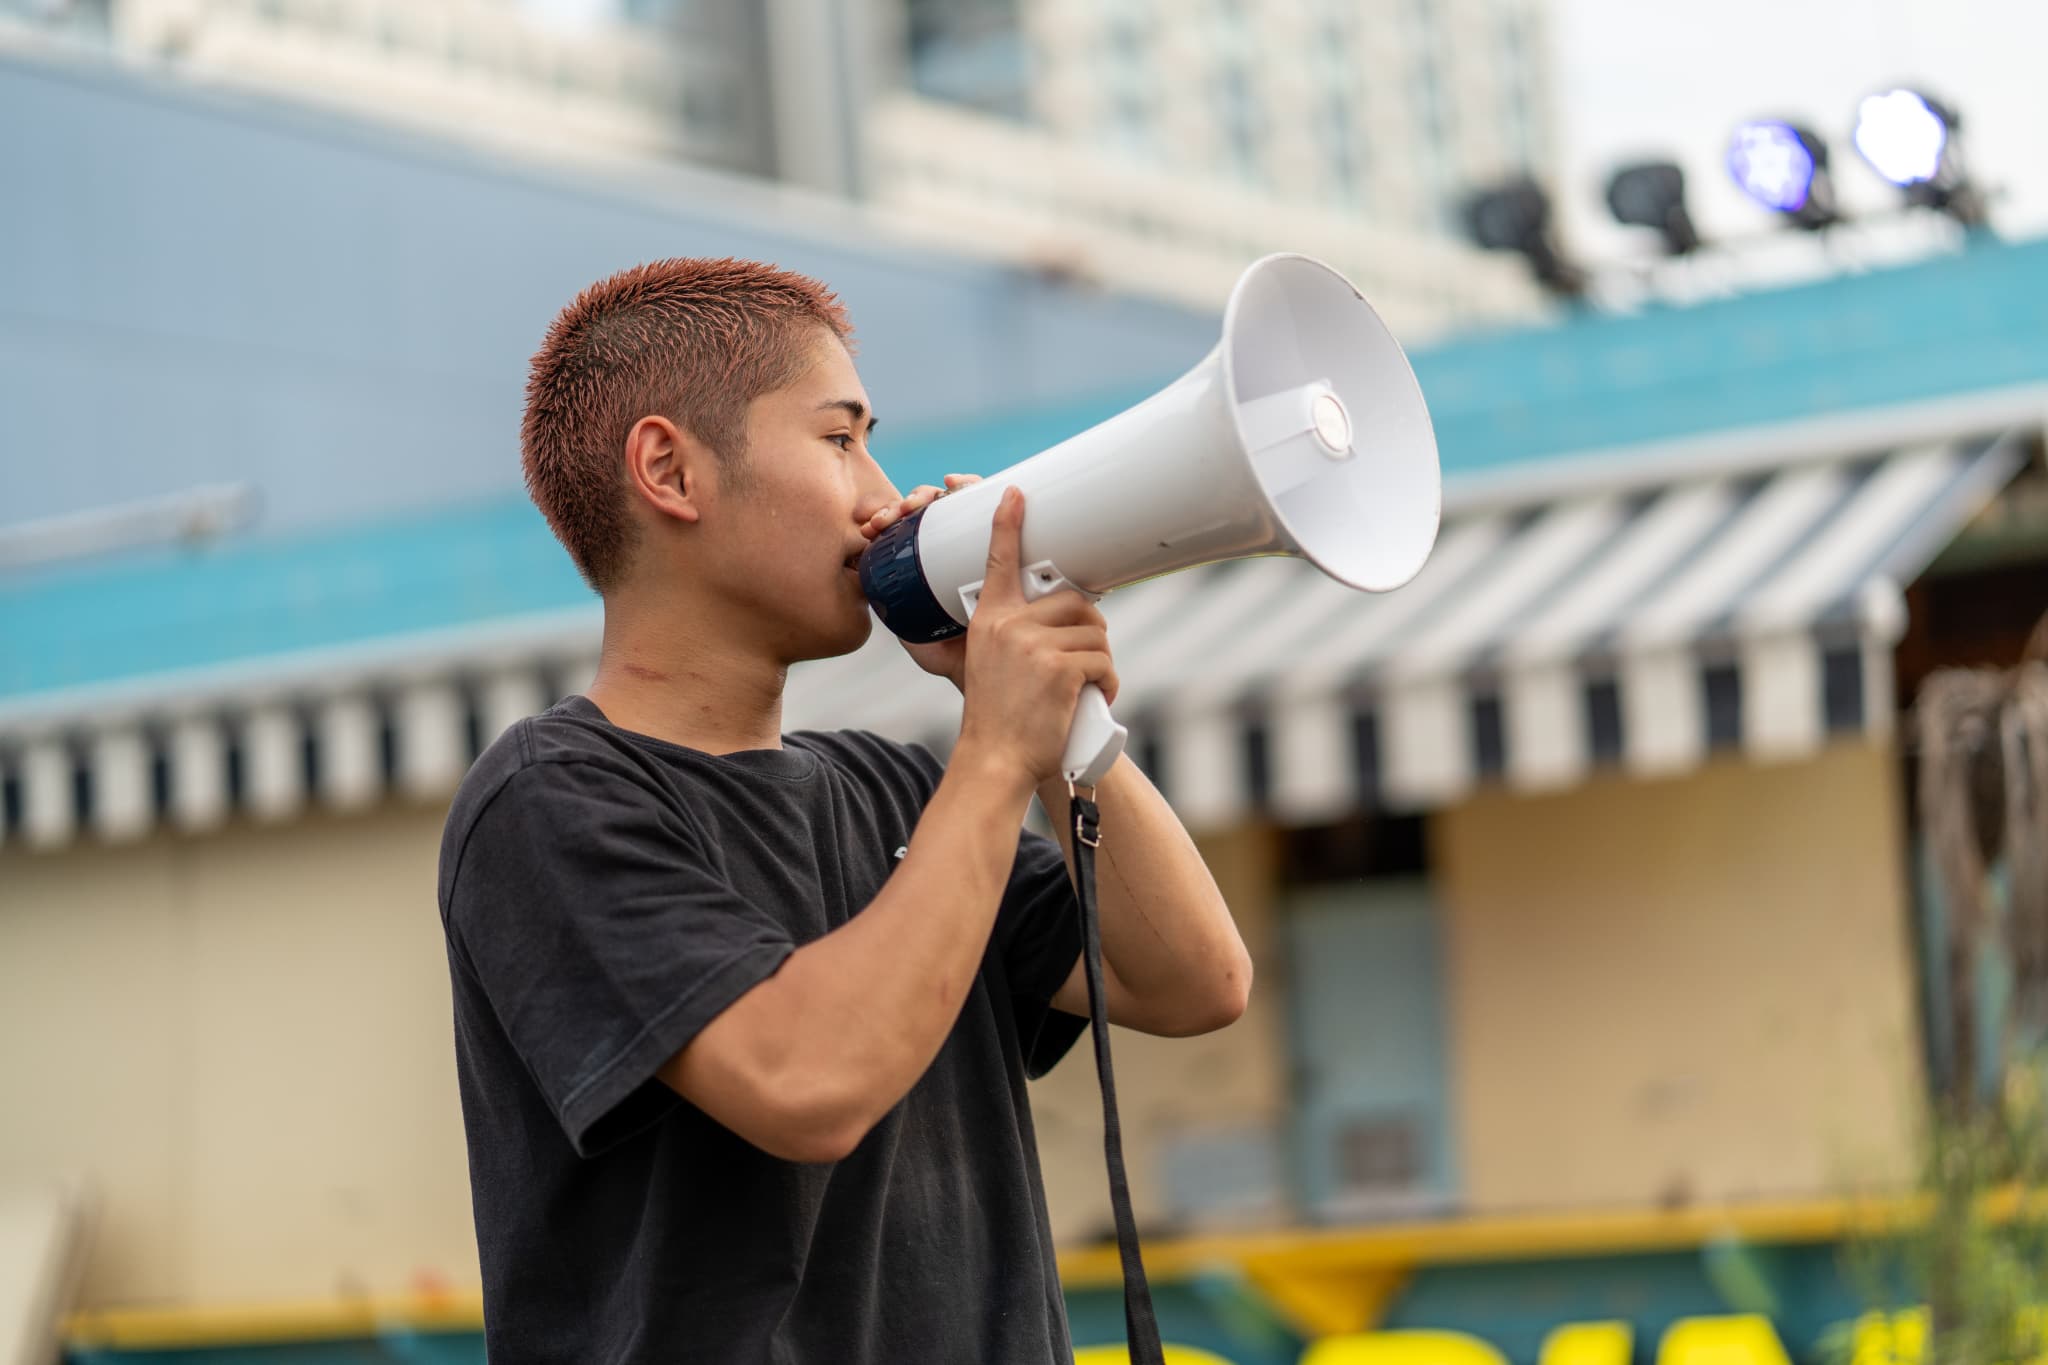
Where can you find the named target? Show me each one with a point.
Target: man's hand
(1027, 661)
(947, 658)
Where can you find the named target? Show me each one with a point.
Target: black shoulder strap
(1141, 1327)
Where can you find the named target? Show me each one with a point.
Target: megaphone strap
(1141, 1326)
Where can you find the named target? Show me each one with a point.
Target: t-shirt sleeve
(601, 931)
(1038, 930)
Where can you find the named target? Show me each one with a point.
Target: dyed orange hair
(692, 340)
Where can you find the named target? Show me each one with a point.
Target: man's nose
(880, 493)
(874, 501)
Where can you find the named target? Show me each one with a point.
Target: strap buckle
(1086, 829)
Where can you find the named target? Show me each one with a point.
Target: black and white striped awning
(1642, 628)
(1639, 627)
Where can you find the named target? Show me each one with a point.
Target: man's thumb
(1005, 549)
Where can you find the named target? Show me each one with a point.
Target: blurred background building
(1158, 146)
(1596, 941)
(1144, 145)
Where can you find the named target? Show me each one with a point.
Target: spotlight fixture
(1515, 216)
(1784, 167)
(1652, 194)
(1910, 139)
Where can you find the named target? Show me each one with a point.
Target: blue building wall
(200, 286)
(1951, 325)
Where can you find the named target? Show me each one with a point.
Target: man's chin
(840, 642)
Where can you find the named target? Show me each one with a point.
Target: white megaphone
(1302, 433)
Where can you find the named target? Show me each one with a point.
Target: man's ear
(669, 469)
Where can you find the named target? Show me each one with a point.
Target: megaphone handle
(1094, 741)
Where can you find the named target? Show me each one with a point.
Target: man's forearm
(1167, 934)
(806, 1062)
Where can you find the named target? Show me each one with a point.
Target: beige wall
(1170, 1088)
(1698, 988)
(245, 1040)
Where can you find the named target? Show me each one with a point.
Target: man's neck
(687, 685)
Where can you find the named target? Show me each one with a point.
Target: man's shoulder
(506, 769)
(560, 734)
(872, 758)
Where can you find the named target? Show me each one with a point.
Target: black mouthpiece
(893, 579)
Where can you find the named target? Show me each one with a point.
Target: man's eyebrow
(855, 409)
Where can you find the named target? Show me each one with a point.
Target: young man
(743, 1020)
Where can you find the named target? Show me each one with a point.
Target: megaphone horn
(1302, 433)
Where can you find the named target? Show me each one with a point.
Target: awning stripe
(433, 739)
(49, 805)
(198, 760)
(1701, 590)
(508, 697)
(1297, 603)
(1521, 575)
(350, 763)
(1538, 643)
(1640, 556)
(1983, 467)
(1359, 632)
(1823, 569)
(122, 803)
(272, 766)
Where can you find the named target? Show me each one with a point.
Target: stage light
(1910, 139)
(1784, 167)
(1902, 135)
(1652, 194)
(1515, 216)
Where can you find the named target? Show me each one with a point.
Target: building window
(1238, 113)
(1339, 142)
(1130, 124)
(972, 54)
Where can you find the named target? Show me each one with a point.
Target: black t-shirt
(605, 895)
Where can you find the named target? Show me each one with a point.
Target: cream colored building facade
(1658, 984)
(1389, 108)
(1659, 993)
(1695, 990)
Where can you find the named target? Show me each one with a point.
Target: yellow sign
(1738, 1339)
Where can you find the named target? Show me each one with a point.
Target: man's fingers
(918, 497)
(1100, 669)
(1002, 583)
(1078, 639)
(1066, 608)
(925, 494)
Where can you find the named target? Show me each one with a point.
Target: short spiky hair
(692, 340)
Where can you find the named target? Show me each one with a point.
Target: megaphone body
(1302, 433)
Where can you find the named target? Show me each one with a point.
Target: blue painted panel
(1366, 992)
(1951, 325)
(179, 609)
(1514, 1305)
(395, 1348)
(199, 286)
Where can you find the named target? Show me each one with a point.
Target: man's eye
(845, 439)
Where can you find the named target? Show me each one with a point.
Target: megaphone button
(1332, 424)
